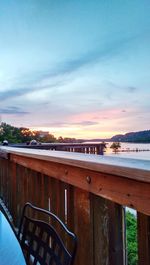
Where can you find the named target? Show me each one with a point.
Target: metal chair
(40, 241)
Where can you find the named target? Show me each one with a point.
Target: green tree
(26, 135)
(22, 135)
(115, 146)
(10, 133)
(131, 226)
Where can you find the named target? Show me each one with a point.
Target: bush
(131, 226)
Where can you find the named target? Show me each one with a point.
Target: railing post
(100, 221)
(116, 237)
(143, 239)
(107, 232)
(82, 227)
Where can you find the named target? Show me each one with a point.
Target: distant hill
(134, 137)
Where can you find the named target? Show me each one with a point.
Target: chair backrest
(40, 241)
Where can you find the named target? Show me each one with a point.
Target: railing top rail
(129, 168)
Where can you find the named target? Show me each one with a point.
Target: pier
(86, 148)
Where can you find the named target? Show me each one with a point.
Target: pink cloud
(110, 114)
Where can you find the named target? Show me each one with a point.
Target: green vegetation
(131, 226)
(115, 146)
(23, 135)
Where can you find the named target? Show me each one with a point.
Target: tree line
(25, 135)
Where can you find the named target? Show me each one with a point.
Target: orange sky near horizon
(78, 132)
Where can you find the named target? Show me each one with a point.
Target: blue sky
(74, 67)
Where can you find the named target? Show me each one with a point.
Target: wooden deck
(88, 192)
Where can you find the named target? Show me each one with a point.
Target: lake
(131, 150)
(127, 153)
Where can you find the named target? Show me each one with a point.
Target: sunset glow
(78, 132)
(75, 69)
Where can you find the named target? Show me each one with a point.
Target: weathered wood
(107, 232)
(19, 191)
(100, 223)
(124, 191)
(70, 207)
(45, 192)
(82, 227)
(123, 167)
(87, 194)
(116, 252)
(14, 191)
(143, 239)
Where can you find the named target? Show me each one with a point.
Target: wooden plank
(124, 191)
(143, 239)
(100, 223)
(14, 192)
(69, 218)
(107, 232)
(19, 192)
(45, 192)
(2, 178)
(5, 179)
(54, 195)
(82, 227)
(116, 244)
(37, 188)
(70, 207)
(10, 188)
(57, 204)
(62, 187)
(31, 187)
(9, 203)
(128, 168)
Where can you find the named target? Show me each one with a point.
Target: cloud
(106, 52)
(60, 74)
(12, 93)
(12, 110)
(120, 86)
(68, 124)
(18, 92)
(86, 123)
(132, 89)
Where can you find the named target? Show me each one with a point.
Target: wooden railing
(87, 192)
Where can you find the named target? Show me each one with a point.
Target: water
(131, 150)
(127, 153)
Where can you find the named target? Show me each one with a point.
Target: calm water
(127, 153)
(131, 150)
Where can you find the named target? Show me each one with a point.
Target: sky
(76, 68)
